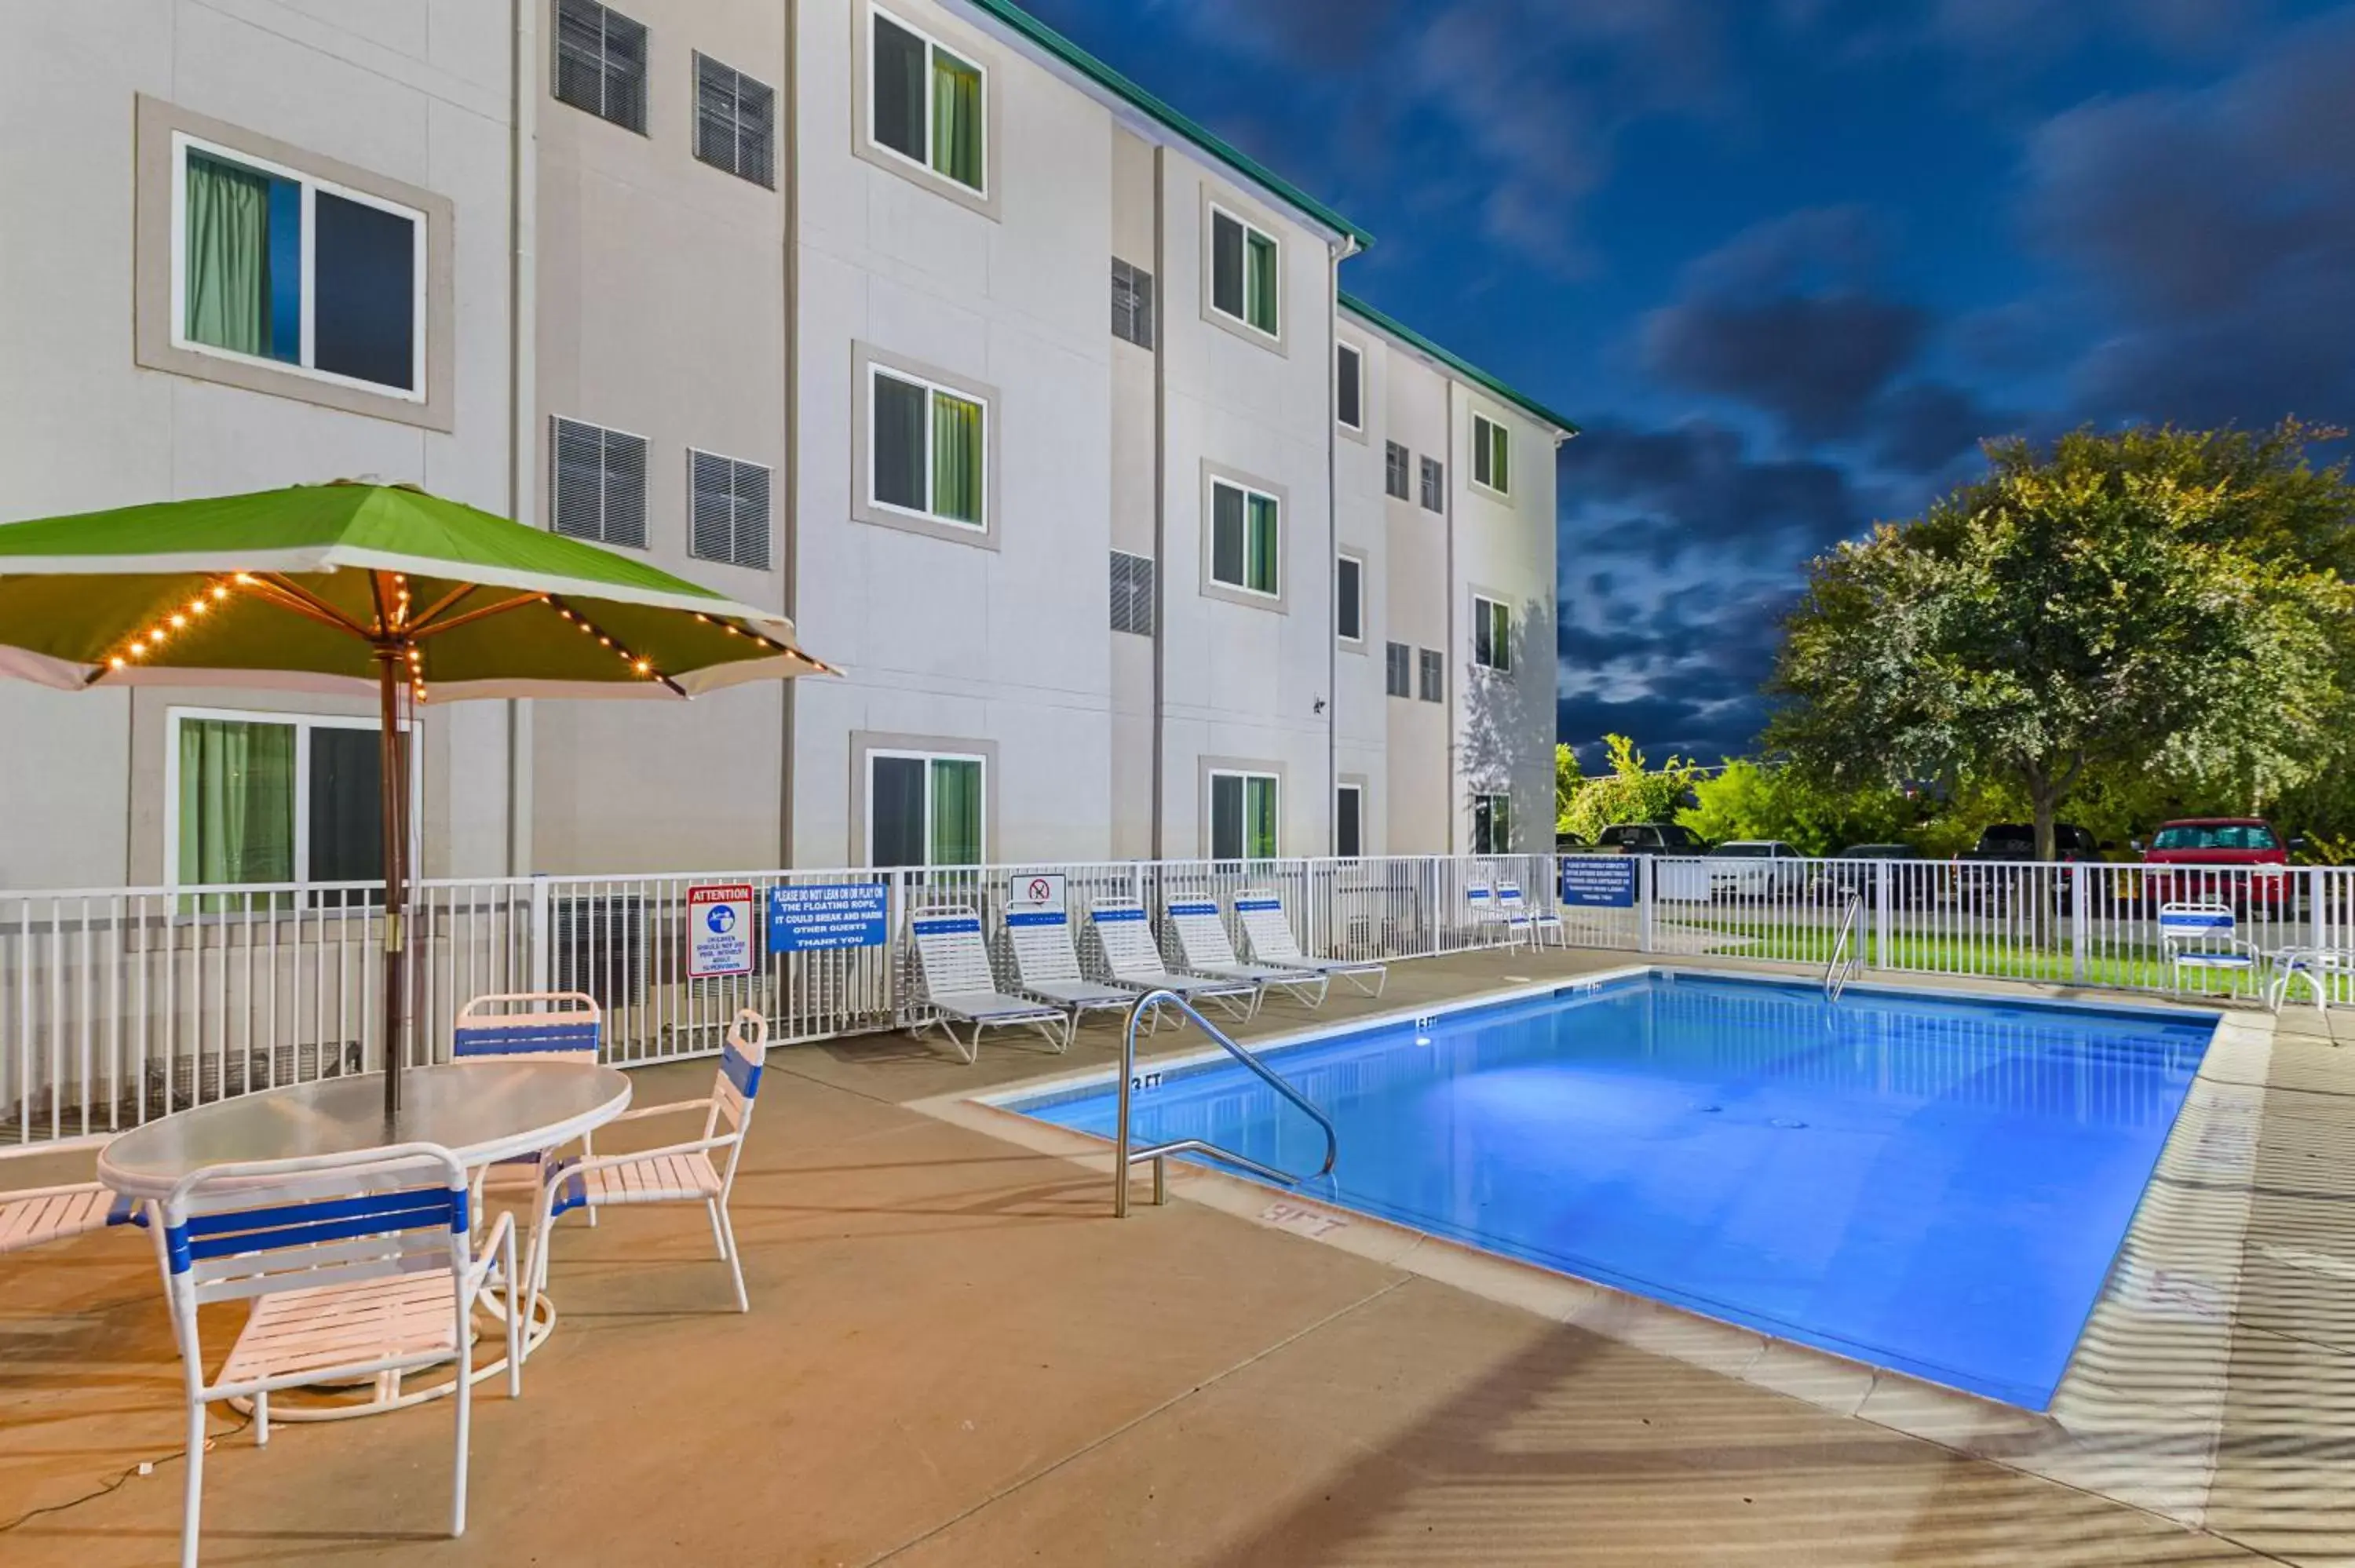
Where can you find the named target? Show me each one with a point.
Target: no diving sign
(1037, 890)
(719, 930)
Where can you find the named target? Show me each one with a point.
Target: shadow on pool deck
(955, 1356)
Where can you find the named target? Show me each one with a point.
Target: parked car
(1855, 869)
(2233, 860)
(2017, 841)
(1568, 844)
(1979, 884)
(1756, 868)
(1648, 838)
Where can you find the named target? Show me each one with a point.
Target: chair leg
(589, 1151)
(195, 1492)
(514, 1319)
(465, 1400)
(711, 1212)
(262, 1418)
(735, 1258)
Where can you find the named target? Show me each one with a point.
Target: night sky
(1786, 261)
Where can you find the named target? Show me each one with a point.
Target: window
(1245, 539)
(597, 483)
(601, 63)
(1492, 824)
(923, 809)
(1349, 599)
(1398, 669)
(1132, 593)
(1434, 675)
(727, 511)
(1242, 816)
(735, 121)
(928, 105)
(927, 448)
(1396, 463)
(1491, 455)
(271, 799)
(1492, 634)
(1245, 272)
(1131, 303)
(1434, 485)
(1348, 821)
(273, 266)
(1349, 391)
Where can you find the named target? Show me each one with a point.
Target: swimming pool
(1932, 1184)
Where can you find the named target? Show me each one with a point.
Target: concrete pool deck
(956, 1356)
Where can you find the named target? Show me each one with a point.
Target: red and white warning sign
(719, 930)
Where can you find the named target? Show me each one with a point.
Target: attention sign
(719, 930)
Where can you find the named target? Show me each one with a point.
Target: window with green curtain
(957, 456)
(1501, 463)
(1261, 573)
(1259, 796)
(898, 442)
(236, 807)
(1491, 454)
(956, 811)
(956, 119)
(1260, 279)
(225, 230)
(1242, 816)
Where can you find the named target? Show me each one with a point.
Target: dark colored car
(2017, 841)
(2236, 860)
(1648, 838)
(1856, 870)
(1568, 844)
(1985, 887)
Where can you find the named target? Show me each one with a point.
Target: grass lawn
(1993, 955)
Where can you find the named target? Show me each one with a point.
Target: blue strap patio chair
(2203, 938)
(528, 1026)
(32, 1216)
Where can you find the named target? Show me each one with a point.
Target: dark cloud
(1662, 725)
(1697, 483)
(1921, 428)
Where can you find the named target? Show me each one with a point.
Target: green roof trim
(1397, 329)
(1103, 76)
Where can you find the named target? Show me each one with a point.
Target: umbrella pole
(393, 767)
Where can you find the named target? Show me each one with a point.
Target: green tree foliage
(2154, 601)
(1630, 793)
(1766, 801)
(1567, 779)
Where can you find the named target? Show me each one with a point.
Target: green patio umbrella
(365, 589)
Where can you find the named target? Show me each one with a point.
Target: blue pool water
(1933, 1185)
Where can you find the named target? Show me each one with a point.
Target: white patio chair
(1047, 966)
(1134, 958)
(528, 1026)
(1532, 924)
(683, 1172)
(1490, 925)
(1208, 950)
(961, 985)
(33, 1216)
(1272, 942)
(2203, 938)
(357, 1264)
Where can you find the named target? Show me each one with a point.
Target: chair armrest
(563, 1170)
(667, 1108)
(502, 1228)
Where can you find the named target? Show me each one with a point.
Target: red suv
(2225, 844)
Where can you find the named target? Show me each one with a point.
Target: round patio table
(480, 1111)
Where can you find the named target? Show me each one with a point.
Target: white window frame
(302, 725)
(1212, 522)
(875, 369)
(1360, 791)
(1211, 278)
(1340, 347)
(981, 805)
(1481, 422)
(1209, 811)
(1358, 643)
(1485, 611)
(932, 44)
(310, 186)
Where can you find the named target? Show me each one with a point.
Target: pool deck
(955, 1356)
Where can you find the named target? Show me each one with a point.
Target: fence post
(2318, 920)
(2080, 883)
(1647, 868)
(1882, 871)
(540, 916)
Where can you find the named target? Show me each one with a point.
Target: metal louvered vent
(601, 63)
(735, 121)
(1131, 303)
(727, 511)
(597, 483)
(1132, 593)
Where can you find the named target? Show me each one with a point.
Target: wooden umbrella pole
(392, 675)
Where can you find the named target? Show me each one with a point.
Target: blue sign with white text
(1599, 881)
(829, 915)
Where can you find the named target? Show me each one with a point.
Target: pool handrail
(1838, 969)
(1125, 1157)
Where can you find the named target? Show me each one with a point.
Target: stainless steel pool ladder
(1843, 964)
(1126, 1158)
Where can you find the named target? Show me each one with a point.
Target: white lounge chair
(1530, 925)
(1272, 942)
(2203, 938)
(34, 1216)
(1133, 957)
(528, 1026)
(1047, 965)
(961, 985)
(1203, 939)
(355, 1265)
(677, 1172)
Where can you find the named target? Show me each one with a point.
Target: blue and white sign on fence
(814, 918)
(1598, 880)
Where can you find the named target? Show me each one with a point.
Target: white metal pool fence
(118, 1005)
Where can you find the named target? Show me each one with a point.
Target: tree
(1567, 778)
(1630, 793)
(2155, 600)
(1769, 801)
